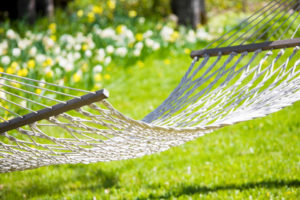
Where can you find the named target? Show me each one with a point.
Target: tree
(297, 6)
(189, 12)
(30, 9)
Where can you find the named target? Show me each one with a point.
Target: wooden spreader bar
(279, 44)
(54, 110)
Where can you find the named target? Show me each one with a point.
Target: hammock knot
(270, 53)
(245, 53)
(233, 53)
(258, 51)
(207, 55)
(219, 53)
(196, 59)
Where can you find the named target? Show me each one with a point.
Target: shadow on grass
(81, 178)
(197, 189)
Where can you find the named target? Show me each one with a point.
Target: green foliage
(79, 47)
(162, 8)
(251, 160)
(236, 5)
(153, 8)
(284, 26)
(258, 159)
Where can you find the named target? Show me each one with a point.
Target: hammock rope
(246, 28)
(238, 28)
(62, 125)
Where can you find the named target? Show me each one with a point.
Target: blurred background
(62, 39)
(32, 9)
(87, 43)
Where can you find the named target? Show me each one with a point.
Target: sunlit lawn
(259, 159)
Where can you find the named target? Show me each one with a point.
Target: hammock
(242, 76)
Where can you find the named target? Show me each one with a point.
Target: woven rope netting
(214, 92)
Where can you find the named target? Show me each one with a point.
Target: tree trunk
(244, 5)
(27, 9)
(45, 7)
(297, 6)
(189, 12)
(203, 16)
(50, 8)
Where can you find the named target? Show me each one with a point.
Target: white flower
(77, 47)
(58, 71)
(11, 34)
(137, 52)
(40, 58)
(16, 52)
(48, 70)
(152, 44)
(88, 53)
(69, 46)
(4, 44)
(33, 51)
(107, 60)
(41, 84)
(63, 53)
(122, 51)
(98, 85)
(97, 69)
(28, 34)
(79, 37)
(38, 36)
(77, 55)
(23, 44)
(191, 36)
(139, 45)
(57, 50)
(5, 60)
(61, 82)
(97, 30)
(100, 55)
(48, 42)
(108, 33)
(70, 57)
(2, 95)
(62, 61)
(23, 104)
(129, 35)
(141, 20)
(166, 33)
(110, 49)
(24, 65)
(202, 34)
(69, 66)
(149, 42)
(156, 46)
(148, 34)
(68, 39)
(91, 43)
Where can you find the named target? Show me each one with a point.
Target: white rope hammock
(216, 91)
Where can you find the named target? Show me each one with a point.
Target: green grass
(259, 159)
